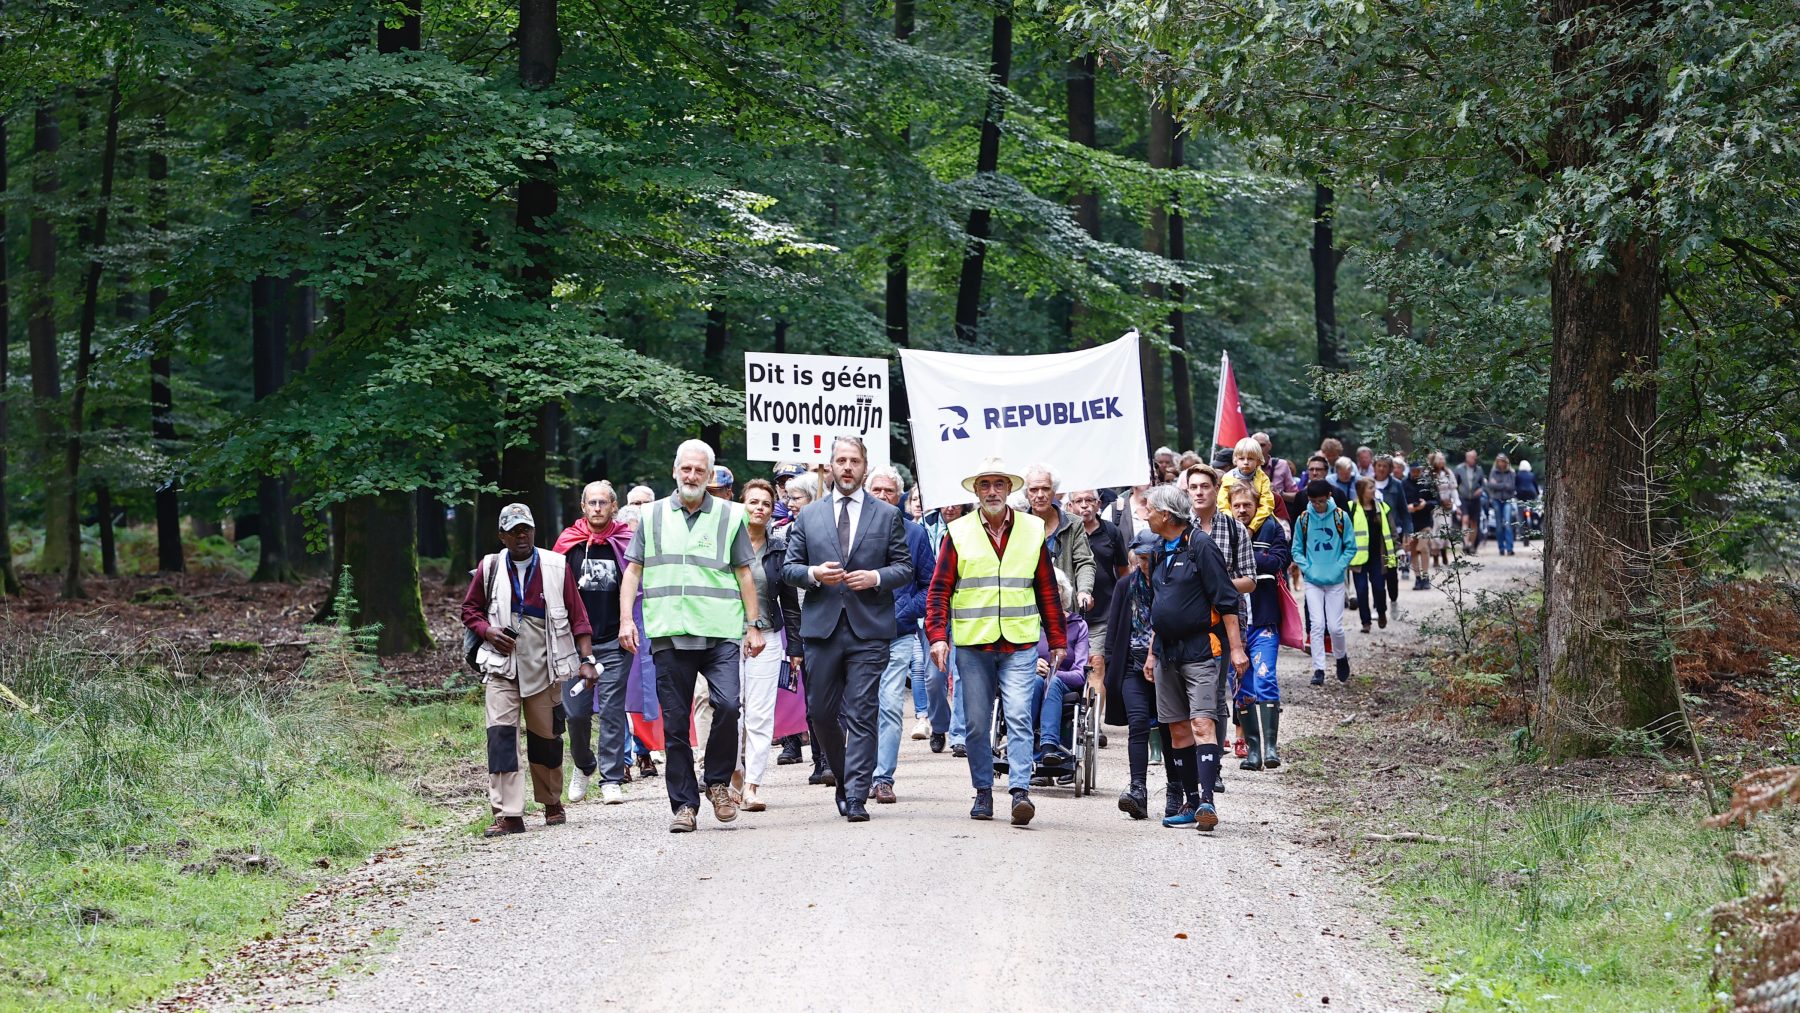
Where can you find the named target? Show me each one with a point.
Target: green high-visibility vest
(1359, 522)
(690, 588)
(995, 597)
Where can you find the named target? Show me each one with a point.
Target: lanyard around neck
(512, 574)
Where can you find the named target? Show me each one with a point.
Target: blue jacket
(1323, 545)
(909, 599)
(1272, 556)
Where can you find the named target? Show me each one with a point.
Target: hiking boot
(724, 809)
(1381, 621)
(790, 751)
(1421, 584)
(823, 775)
(1133, 801)
(505, 826)
(983, 809)
(1183, 817)
(683, 823)
(554, 816)
(1172, 800)
(1318, 678)
(1022, 809)
(1343, 669)
(1206, 817)
(646, 764)
(937, 742)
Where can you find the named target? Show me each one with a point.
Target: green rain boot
(1268, 717)
(1252, 725)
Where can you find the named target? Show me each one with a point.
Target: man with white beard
(692, 556)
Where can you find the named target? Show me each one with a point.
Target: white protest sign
(795, 404)
(1082, 413)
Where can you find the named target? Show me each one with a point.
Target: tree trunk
(1397, 318)
(103, 516)
(1325, 259)
(987, 160)
(1601, 669)
(522, 470)
(9, 579)
(302, 322)
(1086, 203)
(269, 357)
(718, 332)
(1160, 152)
(162, 400)
(46, 364)
(384, 568)
(1179, 379)
(434, 530)
(84, 355)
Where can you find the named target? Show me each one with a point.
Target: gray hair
(646, 490)
(603, 486)
(1170, 500)
(1044, 470)
(807, 483)
(695, 447)
(884, 471)
(1387, 459)
(1365, 449)
(1065, 589)
(1345, 462)
(630, 514)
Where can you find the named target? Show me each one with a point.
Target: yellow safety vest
(1359, 522)
(995, 598)
(689, 585)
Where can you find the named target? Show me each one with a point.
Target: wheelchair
(1081, 732)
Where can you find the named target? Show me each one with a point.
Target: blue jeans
(944, 708)
(600, 706)
(983, 675)
(1047, 703)
(1503, 524)
(921, 658)
(890, 716)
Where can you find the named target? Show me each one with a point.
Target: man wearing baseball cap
(994, 592)
(723, 483)
(536, 635)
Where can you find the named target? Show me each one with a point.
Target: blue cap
(722, 477)
(1145, 542)
(787, 471)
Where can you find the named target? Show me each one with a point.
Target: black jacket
(1188, 586)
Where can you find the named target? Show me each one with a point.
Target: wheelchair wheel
(1090, 744)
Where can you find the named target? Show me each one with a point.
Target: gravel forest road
(794, 908)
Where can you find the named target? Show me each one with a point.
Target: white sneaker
(611, 794)
(922, 730)
(578, 785)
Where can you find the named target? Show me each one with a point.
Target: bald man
(595, 548)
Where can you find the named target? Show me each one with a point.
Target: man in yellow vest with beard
(692, 556)
(994, 592)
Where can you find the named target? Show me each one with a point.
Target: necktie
(843, 529)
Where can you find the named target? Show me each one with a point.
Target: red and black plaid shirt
(943, 585)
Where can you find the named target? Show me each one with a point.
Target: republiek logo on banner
(1014, 416)
(955, 418)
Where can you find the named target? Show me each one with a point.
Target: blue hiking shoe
(1184, 817)
(1206, 817)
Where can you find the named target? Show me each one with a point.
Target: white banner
(795, 404)
(1082, 413)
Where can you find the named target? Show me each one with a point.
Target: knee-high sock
(1188, 775)
(1207, 768)
(1170, 771)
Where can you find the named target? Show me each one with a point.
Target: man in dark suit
(848, 550)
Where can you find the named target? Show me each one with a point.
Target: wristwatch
(760, 623)
(591, 659)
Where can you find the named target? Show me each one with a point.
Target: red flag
(1228, 420)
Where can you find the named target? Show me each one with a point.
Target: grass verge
(1521, 893)
(150, 822)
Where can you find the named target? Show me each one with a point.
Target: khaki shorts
(1188, 690)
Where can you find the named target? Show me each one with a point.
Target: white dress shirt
(835, 501)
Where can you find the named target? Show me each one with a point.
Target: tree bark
(1086, 203)
(162, 400)
(1398, 320)
(46, 364)
(9, 578)
(84, 355)
(302, 323)
(1325, 260)
(1601, 669)
(379, 554)
(1160, 153)
(987, 161)
(268, 371)
(103, 518)
(1179, 380)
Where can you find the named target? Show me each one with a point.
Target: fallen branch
(10, 697)
(1410, 837)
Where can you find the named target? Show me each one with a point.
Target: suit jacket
(880, 545)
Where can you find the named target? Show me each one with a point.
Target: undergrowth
(150, 821)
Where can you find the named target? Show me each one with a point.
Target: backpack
(1337, 514)
(471, 642)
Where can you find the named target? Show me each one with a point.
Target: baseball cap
(783, 472)
(514, 514)
(1144, 543)
(722, 477)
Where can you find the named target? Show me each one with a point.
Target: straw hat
(994, 466)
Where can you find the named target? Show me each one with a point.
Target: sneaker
(578, 785)
(611, 794)
(959, 751)
(1343, 669)
(683, 823)
(724, 809)
(1419, 584)
(922, 730)
(1184, 817)
(983, 809)
(1022, 809)
(1206, 817)
(1318, 678)
(937, 742)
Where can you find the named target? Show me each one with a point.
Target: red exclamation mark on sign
(816, 440)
